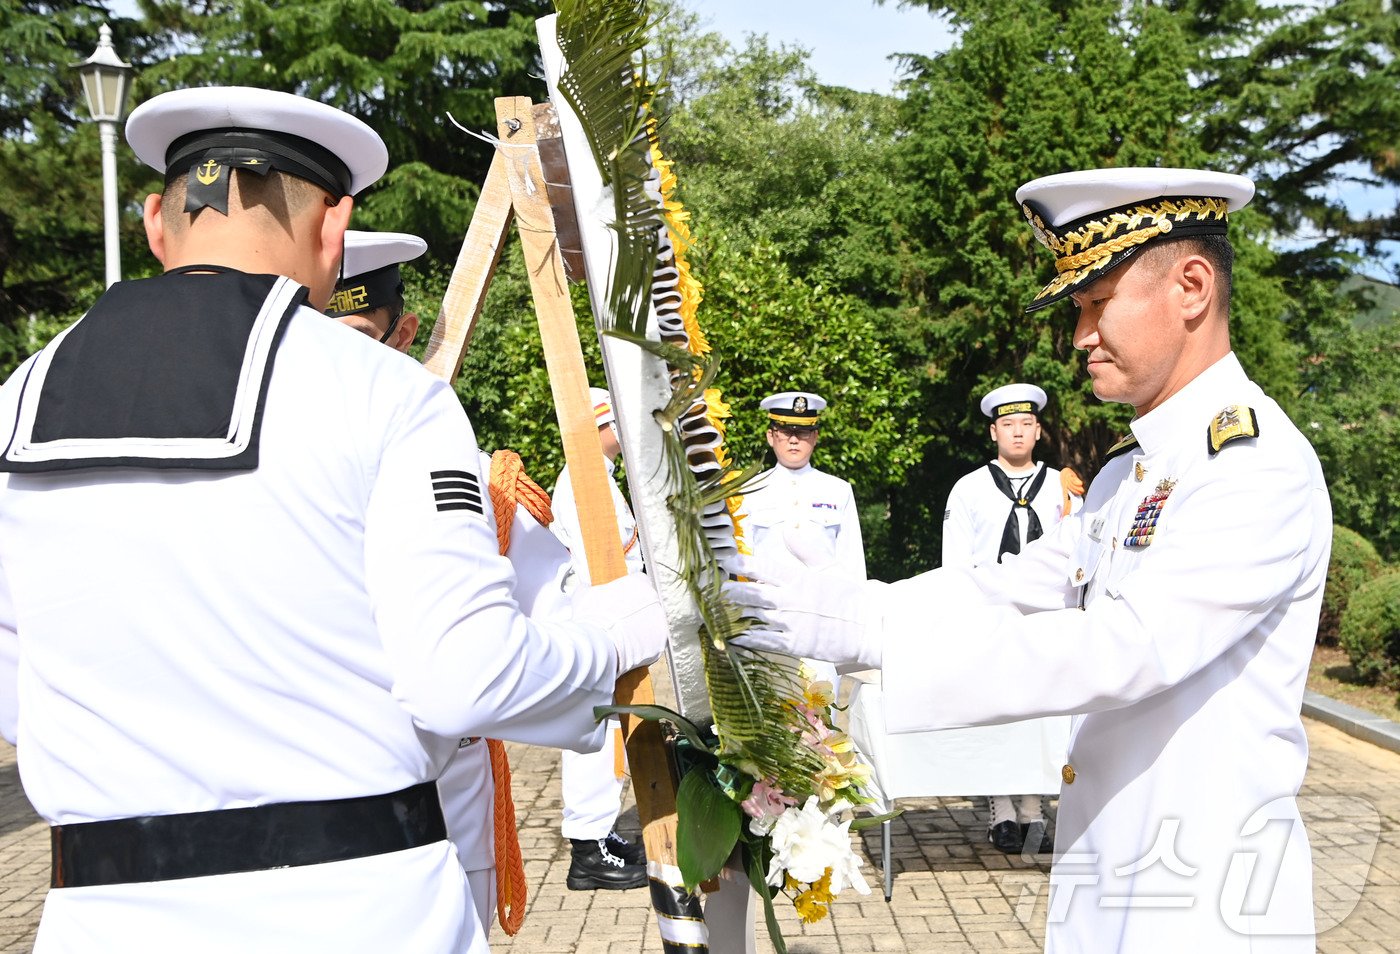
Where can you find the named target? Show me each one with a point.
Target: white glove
(629, 611)
(819, 614)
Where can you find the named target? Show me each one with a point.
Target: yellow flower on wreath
(813, 904)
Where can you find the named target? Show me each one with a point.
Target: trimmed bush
(1354, 562)
(1370, 631)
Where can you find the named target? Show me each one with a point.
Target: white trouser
(1026, 811)
(482, 884)
(592, 789)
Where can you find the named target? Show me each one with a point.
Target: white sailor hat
(794, 407)
(1096, 219)
(1014, 399)
(206, 130)
(602, 406)
(371, 270)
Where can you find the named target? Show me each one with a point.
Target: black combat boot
(596, 865)
(1006, 836)
(631, 852)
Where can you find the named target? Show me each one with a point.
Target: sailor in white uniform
(794, 499)
(591, 782)
(992, 513)
(1174, 616)
(996, 509)
(255, 588)
(370, 298)
(370, 294)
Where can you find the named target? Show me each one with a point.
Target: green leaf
(707, 828)
(756, 866)
(656, 713)
(870, 821)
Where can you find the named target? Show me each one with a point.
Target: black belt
(282, 835)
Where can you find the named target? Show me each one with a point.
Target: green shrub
(1370, 631)
(1354, 562)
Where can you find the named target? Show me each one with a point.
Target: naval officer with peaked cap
(1174, 616)
(793, 493)
(287, 605)
(795, 500)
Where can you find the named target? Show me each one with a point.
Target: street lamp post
(106, 81)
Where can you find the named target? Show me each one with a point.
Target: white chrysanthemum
(806, 843)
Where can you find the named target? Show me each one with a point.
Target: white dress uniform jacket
(540, 562)
(1179, 830)
(313, 629)
(819, 506)
(804, 498)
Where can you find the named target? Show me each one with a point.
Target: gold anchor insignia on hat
(800, 405)
(208, 173)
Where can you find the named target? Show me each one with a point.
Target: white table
(1019, 758)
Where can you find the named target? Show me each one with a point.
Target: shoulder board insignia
(1123, 446)
(1233, 423)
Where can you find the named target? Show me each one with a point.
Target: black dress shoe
(1034, 840)
(631, 852)
(1006, 836)
(594, 865)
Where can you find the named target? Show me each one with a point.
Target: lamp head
(106, 80)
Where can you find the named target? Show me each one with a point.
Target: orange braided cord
(510, 867)
(1072, 485)
(509, 484)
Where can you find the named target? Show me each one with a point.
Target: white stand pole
(108, 132)
(729, 913)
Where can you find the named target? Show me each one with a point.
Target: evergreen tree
(403, 67)
(51, 238)
(1305, 95)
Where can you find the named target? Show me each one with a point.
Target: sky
(849, 40)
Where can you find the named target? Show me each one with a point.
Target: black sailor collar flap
(168, 372)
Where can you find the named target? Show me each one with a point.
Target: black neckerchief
(162, 373)
(1011, 533)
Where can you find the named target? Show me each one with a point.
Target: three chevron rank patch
(457, 490)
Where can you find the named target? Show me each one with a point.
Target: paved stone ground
(952, 892)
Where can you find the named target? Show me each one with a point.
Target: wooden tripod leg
(471, 276)
(653, 781)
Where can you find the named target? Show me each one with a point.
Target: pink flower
(764, 805)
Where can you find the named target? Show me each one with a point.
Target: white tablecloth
(1020, 758)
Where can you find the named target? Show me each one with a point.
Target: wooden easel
(515, 190)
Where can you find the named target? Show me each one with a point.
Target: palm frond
(606, 85)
